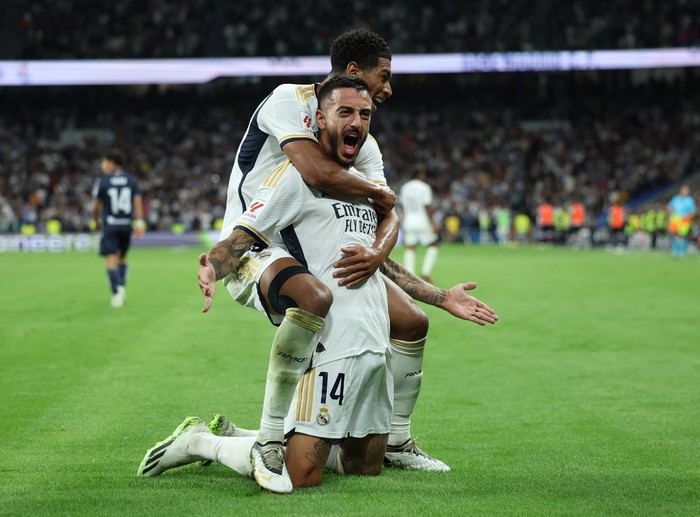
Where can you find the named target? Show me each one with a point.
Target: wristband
(139, 224)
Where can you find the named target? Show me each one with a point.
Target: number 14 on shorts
(337, 389)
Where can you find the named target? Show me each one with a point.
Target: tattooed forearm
(225, 256)
(412, 285)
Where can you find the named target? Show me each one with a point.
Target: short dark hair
(114, 155)
(360, 45)
(340, 81)
(418, 171)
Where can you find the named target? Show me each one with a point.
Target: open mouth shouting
(351, 145)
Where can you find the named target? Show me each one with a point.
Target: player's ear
(352, 68)
(320, 119)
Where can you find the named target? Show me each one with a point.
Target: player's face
(345, 124)
(106, 165)
(377, 79)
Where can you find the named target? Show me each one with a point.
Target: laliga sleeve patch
(306, 122)
(254, 210)
(257, 206)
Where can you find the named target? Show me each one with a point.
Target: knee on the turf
(306, 479)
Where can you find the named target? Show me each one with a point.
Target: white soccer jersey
(287, 114)
(315, 228)
(414, 197)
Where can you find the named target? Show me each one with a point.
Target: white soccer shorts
(422, 237)
(242, 285)
(351, 397)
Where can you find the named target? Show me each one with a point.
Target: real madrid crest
(323, 417)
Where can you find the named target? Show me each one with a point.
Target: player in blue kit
(118, 210)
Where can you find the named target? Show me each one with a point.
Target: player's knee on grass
(363, 456)
(408, 321)
(305, 458)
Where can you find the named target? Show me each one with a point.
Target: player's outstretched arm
(221, 261)
(456, 300)
(360, 262)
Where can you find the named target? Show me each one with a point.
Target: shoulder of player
(290, 91)
(284, 174)
(369, 151)
(371, 144)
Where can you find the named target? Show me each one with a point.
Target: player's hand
(465, 306)
(357, 265)
(139, 228)
(207, 280)
(384, 201)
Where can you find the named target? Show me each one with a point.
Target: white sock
(334, 463)
(240, 432)
(232, 452)
(409, 260)
(289, 357)
(429, 260)
(407, 367)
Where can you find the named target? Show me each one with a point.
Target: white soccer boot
(222, 426)
(410, 456)
(118, 299)
(269, 469)
(173, 451)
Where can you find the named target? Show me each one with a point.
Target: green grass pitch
(584, 399)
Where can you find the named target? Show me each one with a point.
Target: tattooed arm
(222, 260)
(455, 300)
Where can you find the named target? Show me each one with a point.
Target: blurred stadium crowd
(79, 29)
(489, 142)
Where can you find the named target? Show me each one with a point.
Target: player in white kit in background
(416, 201)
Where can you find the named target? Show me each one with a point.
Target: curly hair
(360, 45)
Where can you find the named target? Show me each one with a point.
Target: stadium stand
(81, 29)
(487, 140)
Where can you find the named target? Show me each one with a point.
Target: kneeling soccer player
(346, 393)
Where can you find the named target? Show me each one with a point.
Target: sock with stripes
(406, 364)
(291, 352)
